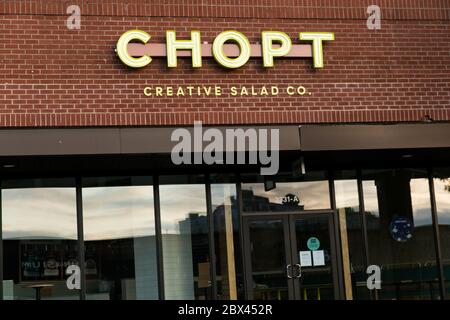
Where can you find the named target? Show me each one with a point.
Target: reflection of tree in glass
(446, 184)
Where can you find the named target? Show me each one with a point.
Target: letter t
(317, 49)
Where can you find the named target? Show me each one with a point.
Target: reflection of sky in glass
(442, 200)
(39, 213)
(420, 200)
(222, 193)
(346, 194)
(109, 213)
(312, 194)
(177, 202)
(118, 212)
(370, 197)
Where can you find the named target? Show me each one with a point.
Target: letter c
(290, 90)
(122, 48)
(148, 91)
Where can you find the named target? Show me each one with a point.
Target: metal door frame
(287, 218)
(247, 250)
(333, 248)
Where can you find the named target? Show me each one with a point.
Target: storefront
(149, 229)
(94, 206)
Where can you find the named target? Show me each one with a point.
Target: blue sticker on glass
(401, 229)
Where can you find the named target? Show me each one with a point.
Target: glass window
(352, 240)
(184, 228)
(39, 225)
(400, 233)
(226, 238)
(442, 192)
(285, 192)
(119, 234)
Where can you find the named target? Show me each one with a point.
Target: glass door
(290, 256)
(314, 256)
(267, 253)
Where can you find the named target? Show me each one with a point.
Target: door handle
(299, 273)
(288, 274)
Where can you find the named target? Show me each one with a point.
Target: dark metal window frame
(159, 250)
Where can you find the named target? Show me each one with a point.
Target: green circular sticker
(313, 243)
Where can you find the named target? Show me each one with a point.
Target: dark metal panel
(362, 212)
(80, 231)
(212, 251)
(243, 237)
(16, 142)
(246, 259)
(146, 140)
(293, 290)
(291, 244)
(337, 281)
(373, 137)
(19, 142)
(158, 139)
(337, 241)
(93, 141)
(159, 245)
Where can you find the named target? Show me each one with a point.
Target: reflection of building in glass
(130, 261)
(185, 256)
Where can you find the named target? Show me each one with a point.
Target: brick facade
(53, 76)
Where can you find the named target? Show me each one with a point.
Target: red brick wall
(52, 76)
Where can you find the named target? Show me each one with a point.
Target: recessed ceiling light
(9, 166)
(407, 156)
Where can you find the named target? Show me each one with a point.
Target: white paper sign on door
(318, 258)
(305, 258)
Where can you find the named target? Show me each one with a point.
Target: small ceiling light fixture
(9, 166)
(407, 156)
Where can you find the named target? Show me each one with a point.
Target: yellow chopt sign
(269, 51)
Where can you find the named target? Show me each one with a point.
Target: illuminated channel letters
(231, 49)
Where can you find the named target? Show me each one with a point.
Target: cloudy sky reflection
(420, 200)
(49, 213)
(177, 202)
(39, 213)
(123, 212)
(118, 212)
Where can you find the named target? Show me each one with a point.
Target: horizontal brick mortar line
(237, 118)
(165, 4)
(384, 18)
(445, 18)
(337, 9)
